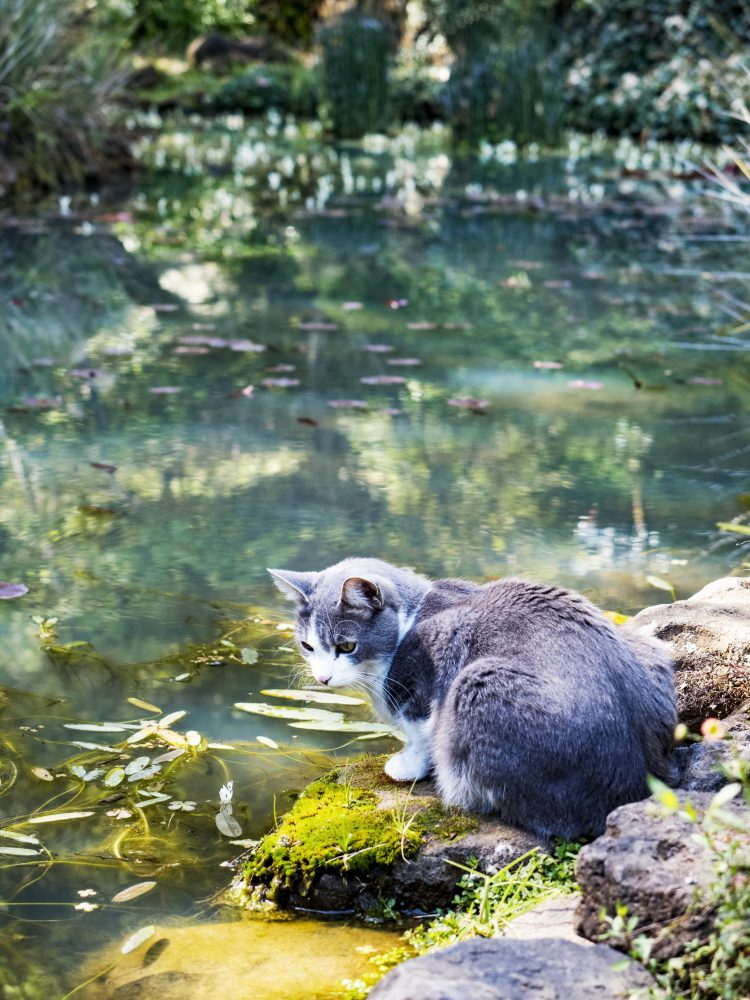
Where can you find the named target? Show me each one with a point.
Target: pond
(272, 352)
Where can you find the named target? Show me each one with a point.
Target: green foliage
(661, 66)
(291, 21)
(717, 966)
(57, 73)
(355, 74)
(173, 24)
(483, 907)
(287, 87)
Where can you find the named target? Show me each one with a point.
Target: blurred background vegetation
(71, 71)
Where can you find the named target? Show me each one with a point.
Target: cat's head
(351, 617)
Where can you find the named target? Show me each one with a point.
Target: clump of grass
(57, 75)
(483, 907)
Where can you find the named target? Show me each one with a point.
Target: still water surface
(475, 368)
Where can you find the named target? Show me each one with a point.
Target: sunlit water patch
(279, 354)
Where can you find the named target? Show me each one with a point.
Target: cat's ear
(294, 586)
(360, 593)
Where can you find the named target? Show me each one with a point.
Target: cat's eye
(307, 646)
(346, 647)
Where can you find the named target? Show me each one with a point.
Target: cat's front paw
(409, 765)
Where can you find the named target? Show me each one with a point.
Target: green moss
(331, 826)
(351, 820)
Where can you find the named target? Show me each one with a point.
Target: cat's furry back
(524, 699)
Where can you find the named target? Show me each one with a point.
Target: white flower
(86, 892)
(226, 792)
(86, 907)
(119, 813)
(176, 805)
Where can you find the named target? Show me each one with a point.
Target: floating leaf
(347, 404)
(97, 727)
(582, 383)
(318, 325)
(137, 765)
(169, 720)
(246, 345)
(547, 365)
(280, 383)
(137, 939)
(93, 746)
(133, 892)
(322, 697)
(422, 325)
(80, 772)
(382, 380)
(703, 380)
(297, 714)
(169, 756)
(403, 362)
(9, 591)
(463, 403)
(249, 655)
(114, 777)
(21, 838)
(42, 773)
(183, 677)
(18, 851)
(267, 742)
(227, 824)
(164, 390)
(147, 772)
(378, 348)
(351, 306)
(60, 817)
(660, 584)
(345, 726)
(145, 705)
(735, 529)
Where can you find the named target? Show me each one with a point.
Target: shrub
(57, 75)
(288, 88)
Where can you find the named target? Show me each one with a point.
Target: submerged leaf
(21, 838)
(18, 851)
(249, 655)
(137, 939)
(267, 742)
(227, 824)
(735, 529)
(114, 777)
(60, 817)
(133, 892)
(42, 773)
(322, 697)
(145, 705)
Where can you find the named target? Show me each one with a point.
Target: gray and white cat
(523, 698)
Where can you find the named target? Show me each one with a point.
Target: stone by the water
(507, 969)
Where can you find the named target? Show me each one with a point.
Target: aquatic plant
(482, 907)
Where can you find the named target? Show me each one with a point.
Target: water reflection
(146, 487)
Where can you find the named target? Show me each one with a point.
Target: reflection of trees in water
(61, 288)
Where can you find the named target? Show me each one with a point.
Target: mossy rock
(356, 841)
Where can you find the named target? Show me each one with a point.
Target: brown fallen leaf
(103, 467)
(469, 404)
(309, 421)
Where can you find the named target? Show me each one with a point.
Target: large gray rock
(553, 918)
(700, 764)
(709, 637)
(504, 969)
(654, 864)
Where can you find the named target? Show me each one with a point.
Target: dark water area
(504, 366)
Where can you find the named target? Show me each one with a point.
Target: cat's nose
(323, 679)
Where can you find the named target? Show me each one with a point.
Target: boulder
(553, 918)
(355, 840)
(709, 637)
(656, 865)
(700, 764)
(506, 969)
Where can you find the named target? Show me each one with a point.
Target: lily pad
(133, 892)
(346, 726)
